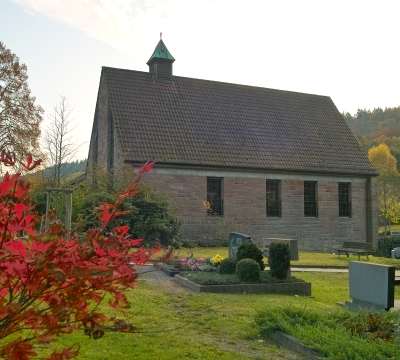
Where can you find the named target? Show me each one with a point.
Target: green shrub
(387, 244)
(248, 270)
(338, 334)
(202, 243)
(249, 250)
(228, 266)
(279, 259)
(149, 217)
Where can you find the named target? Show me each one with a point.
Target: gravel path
(153, 275)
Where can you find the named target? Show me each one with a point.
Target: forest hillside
(377, 127)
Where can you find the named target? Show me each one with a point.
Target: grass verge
(339, 334)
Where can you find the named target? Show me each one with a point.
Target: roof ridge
(223, 82)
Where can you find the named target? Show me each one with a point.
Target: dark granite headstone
(235, 240)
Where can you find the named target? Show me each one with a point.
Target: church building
(233, 158)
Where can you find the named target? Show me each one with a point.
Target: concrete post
(68, 212)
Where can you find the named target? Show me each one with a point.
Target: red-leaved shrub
(47, 281)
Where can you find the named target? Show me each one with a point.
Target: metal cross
(160, 35)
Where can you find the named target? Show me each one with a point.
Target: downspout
(369, 210)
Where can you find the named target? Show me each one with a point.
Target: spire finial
(160, 35)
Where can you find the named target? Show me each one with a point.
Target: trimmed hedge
(279, 259)
(201, 243)
(247, 270)
(387, 244)
(249, 250)
(228, 266)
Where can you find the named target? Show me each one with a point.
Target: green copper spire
(161, 52)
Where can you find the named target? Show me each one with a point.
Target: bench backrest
(357, 245)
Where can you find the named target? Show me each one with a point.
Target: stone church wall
(245, 207)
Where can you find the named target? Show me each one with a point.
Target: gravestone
(396, 253)
(293, 248)
(235, 240)
(371, 286)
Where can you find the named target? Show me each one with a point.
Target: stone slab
(235, 240)
(291, 343)
(300, 288)
(293, 247)
(361, 306)
(372, 284)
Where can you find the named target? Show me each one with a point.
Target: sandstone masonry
(244, 196)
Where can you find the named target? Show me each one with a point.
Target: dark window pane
(273, 198)
(310, 199)
(214, 196)
(344, 200)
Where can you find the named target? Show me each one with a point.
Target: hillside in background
(375, 127)
(68, 169)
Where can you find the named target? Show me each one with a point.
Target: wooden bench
(355, 248)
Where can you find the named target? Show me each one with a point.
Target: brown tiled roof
(203, 122)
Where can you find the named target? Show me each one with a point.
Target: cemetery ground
(175, 323)
(311, 259)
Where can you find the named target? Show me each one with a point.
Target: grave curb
(318, 266)
(297, 288)
(291, 343)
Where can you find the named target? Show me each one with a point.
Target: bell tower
(160, 63)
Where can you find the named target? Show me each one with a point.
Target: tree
(382, 159)
(20, 118)
(149, 215)
(48, 281)
(388, 181)
(58, 140)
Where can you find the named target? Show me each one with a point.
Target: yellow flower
(217, 259)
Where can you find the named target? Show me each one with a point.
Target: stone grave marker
(235, 240)
(293, 248)
(395, 253)
(371, 286)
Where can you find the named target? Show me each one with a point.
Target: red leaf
(8, 158)
(67, 353)
(18, 350)
(20, 208)
(29, 166)
(146, 167)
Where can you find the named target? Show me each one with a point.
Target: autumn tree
(388, 181)
(20, 118)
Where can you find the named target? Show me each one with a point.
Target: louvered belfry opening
(160, 64)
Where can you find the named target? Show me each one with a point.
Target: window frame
(345, 211)
(215, 203)
(276, 209)
(310, 206)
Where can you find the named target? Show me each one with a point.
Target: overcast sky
(348, 50)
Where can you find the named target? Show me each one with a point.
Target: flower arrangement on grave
(192, 264)
(216, 260)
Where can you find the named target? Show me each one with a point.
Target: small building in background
(234, 158)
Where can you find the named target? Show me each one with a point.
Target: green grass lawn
(392, 228)
(187, 325)
(305, 258)
(176, 323)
